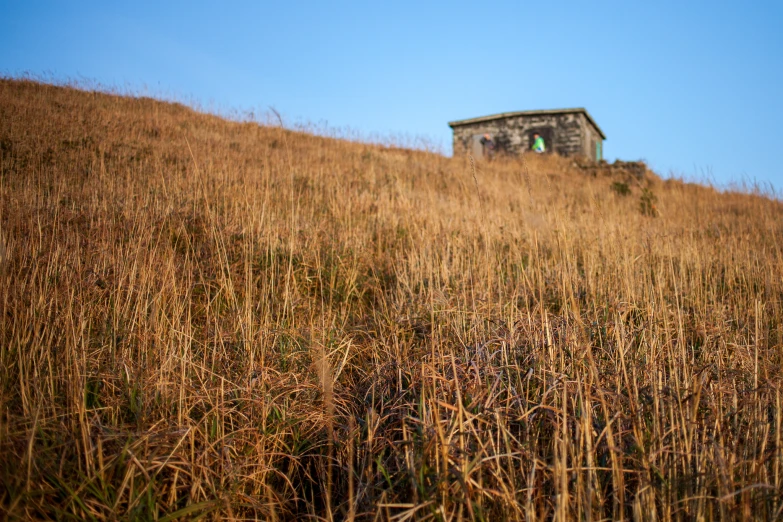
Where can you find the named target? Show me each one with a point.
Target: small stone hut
(568, 132)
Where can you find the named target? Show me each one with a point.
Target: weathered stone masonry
(568, 132)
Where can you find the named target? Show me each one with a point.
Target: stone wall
(570, 134)
(591, 139)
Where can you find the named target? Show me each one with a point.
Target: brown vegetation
(202, 317)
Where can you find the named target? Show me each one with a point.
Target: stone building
(568, 132)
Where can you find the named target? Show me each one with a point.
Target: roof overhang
(504, 115)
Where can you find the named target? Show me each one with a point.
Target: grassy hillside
(202, 317)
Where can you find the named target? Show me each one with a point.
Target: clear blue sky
(694, 88)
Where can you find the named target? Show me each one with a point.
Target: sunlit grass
(202, 317)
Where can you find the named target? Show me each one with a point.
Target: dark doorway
(546, 133)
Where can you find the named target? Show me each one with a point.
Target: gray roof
(502, 115)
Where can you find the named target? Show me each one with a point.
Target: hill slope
(208, 317)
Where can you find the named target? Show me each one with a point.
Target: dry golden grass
(207, 318)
